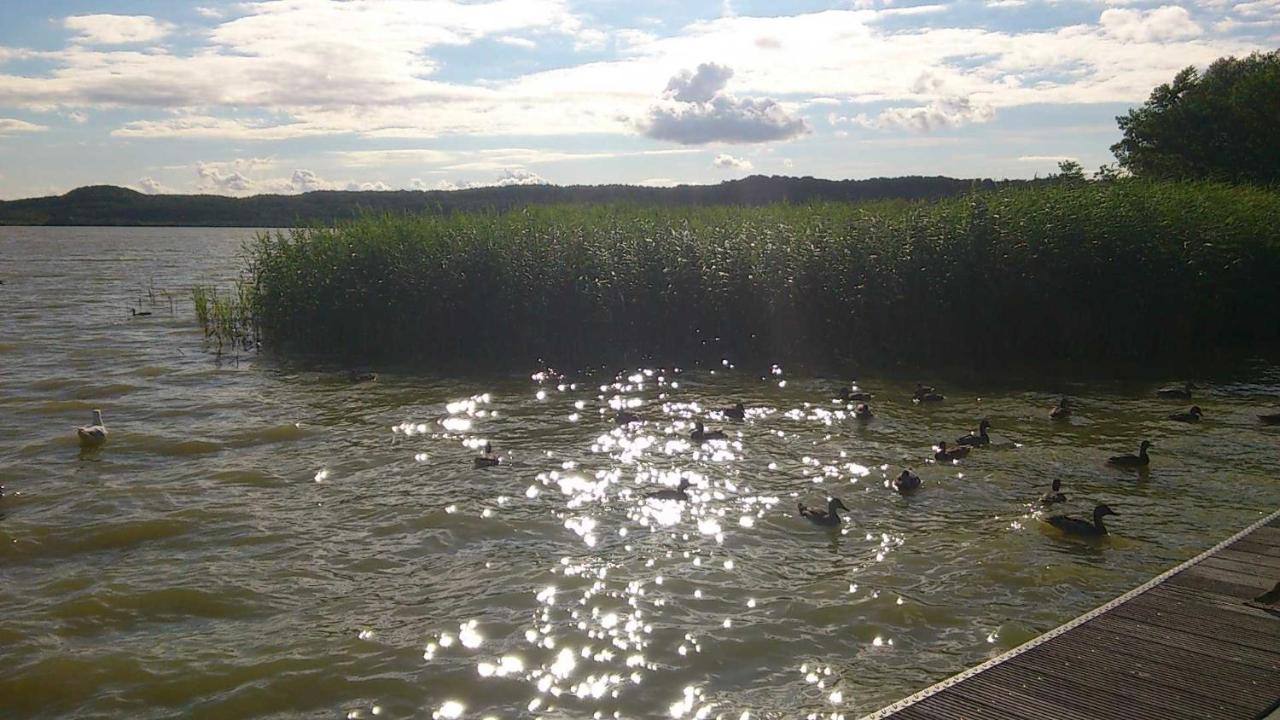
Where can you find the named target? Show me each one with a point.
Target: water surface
(260, 540)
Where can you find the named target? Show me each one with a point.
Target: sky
(287, 96)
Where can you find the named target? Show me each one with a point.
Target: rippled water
(257, 540)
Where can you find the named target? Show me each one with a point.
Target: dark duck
(846, 395)
(1140, 460)
(978, 438)
(626, 417)
(487, 458)
(681, 493)
(829, 517)
(945, 454)
(1083, 528)
(737, 412)
(907, 482)
(701, 434)
(1191, 416)
(862, 411)
(926, 394)
(1272, 419)
(1063, 411)
(1055, 495)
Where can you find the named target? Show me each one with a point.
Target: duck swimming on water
(926, 394)
(947, 455)
(700, 434)
(626, 417)
(1191, 416)
(907, 482)
(1181, 392)
(737, 412)
(847, 395)
(1140, 460)
(1062, 412)
(95, 434)
(487, 458)
(818, 516)
(862, 411)
(1083, 528)
(679, 493)
(978, 438)
(1273, 419)
(1055, 495)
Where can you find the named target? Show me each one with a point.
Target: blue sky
(287, 96)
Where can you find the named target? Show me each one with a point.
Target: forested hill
(109, 205)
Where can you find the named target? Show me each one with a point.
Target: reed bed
(226, 317)
(1070, 274)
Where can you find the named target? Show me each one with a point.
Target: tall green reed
(1085, 274)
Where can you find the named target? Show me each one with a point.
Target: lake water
(259, 540)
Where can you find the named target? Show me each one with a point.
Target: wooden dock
(1184, 646)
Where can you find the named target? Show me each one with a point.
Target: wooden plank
(1251, 569)
(1211, 645)
(1136, 673)
(1227, 577)
(1219, 603)
(1266, 562)
(1084, 698)
(1246, 545)
(1185, 649)
(1266, 535)
(1179, 661)
(1214, 581)
(1239, 633)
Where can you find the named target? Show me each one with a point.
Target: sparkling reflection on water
(258, 540)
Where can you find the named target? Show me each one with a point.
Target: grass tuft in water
(1075, 274)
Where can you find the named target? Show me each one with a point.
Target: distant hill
(110, 205)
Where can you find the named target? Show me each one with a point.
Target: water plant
(1089, 273)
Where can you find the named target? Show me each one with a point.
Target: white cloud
(519, 177)
(1045, 158)
(10, 126)
(942, 113)
(77, 117)
(1164, 23)
(519, 42)
(659, 182)
(306, 181)
(700, 86)
(151, 186)
(116, 29)
(725, 161)
(212, 13)
(700, 112)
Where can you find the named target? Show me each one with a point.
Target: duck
(626, 417)
(818, 516)
(947, 455)
(1136, 461)
(362, 375)
(906, 483)
(1063, 411)
(679, 493)
(487, 458)
(95, 434)
(978, 438)
(1191, 416)
(1182, 392)
(737, 412)
(1083, 528)
(133, 312)
(862, 411)
(847, 395)
(926, 393)
(1055, 495)
(700, 434)
(1272, 419)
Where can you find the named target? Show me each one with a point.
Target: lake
(263, 539)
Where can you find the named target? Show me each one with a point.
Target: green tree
(1069, 171)
(1220, 125)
